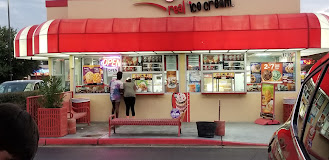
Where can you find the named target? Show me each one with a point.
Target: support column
(71, 65)
(50, 66)
(182, 72)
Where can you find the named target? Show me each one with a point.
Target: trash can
(82, 105)
(220, 128)
(206, 129)
(288, 105)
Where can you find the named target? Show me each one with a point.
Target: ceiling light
(218, 51)
(256, 50)
(204, 51)
(145, 52)
(237, 51)
(262, 54)
(182, 51)
(275, 50)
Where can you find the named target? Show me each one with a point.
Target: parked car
(20, 86)
(305, 135)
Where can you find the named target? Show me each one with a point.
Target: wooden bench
(113, 121)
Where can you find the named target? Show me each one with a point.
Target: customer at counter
(130, 96)
(116, 88)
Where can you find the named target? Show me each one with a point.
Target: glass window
(316, 136)
(78, 71)
(223, 82)
(58, 66)
(271, 67)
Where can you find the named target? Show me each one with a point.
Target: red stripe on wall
(56, 3)
(17, 42)
(29, 40)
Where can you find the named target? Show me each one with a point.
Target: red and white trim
(276, 31)
(40, 38)
(23, 42)
(324, 23)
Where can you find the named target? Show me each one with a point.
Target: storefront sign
(41, 72)
(194, 7)
(111, 62)
(267, 104)
(307, 61)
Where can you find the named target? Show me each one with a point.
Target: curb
(141, 141)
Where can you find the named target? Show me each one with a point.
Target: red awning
(277, 31)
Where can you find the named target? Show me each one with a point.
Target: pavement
(150, 152)
(236, 134)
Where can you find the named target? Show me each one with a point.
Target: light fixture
(182, 51)
(275, 50)
(145, 52)
(256, 50)
(295, 49)
(232, 51)
(163, 52)
(218, 51)
(203, 51)
(128, 53)
(262, 54)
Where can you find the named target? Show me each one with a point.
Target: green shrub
(18, 98)
(51, 90)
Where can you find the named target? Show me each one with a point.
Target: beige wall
(57, 13)
(127, 9)
(234, 108)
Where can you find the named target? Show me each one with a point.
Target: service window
(316, 132)
(277, 67)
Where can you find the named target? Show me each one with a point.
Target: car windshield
(13, 87)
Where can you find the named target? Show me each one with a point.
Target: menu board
(171, 63)
(267, 104)
(193, 62)
(131, 63)
(92, 74)
(211, 59)
(271, 72)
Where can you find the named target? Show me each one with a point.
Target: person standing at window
(129, 96)
(116, 88)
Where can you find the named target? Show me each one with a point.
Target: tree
(20, 68)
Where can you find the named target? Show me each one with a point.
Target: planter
(206, 129)
(52, 122)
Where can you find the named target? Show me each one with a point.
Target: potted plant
(52, 116)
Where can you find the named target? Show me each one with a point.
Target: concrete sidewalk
(97, 133)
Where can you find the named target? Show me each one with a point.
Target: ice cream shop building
(215, 50)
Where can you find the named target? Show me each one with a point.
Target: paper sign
(267, 104)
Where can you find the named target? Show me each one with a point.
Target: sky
(30, 12)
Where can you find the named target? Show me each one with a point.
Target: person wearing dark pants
(129, 96)
(116, 87)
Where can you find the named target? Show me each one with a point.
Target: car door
(315, 133)
(310, 115)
